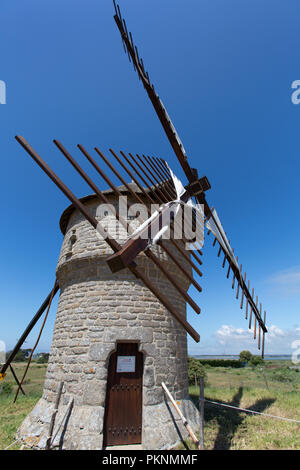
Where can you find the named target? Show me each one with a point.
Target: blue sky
(224, 71)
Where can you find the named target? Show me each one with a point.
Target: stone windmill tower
(121, 323)
(113, 345)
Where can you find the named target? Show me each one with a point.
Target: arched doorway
(124, 396)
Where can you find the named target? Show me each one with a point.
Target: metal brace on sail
(214, 225)
(174, 207)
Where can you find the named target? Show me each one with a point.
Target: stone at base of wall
(81, 427)
(76, 428)
(163, 428)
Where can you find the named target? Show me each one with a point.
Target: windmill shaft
(134, 246)
(168, 193)
(162, 199)
(147, 195)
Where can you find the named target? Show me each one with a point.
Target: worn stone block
(100, 351)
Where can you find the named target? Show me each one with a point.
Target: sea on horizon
(268, 357)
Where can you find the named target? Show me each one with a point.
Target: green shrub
(281, 376)
(245, 356)
(285, 375)
(21, 356)
(256, 360)
(236, 364)
(43, 358)
(6, 389)
(196, 370)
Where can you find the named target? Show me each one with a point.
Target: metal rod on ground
(201, 412)
(183, 419)
(265, 378)
(16, 379)
(28, 329)
(48, 443)
(37, 341)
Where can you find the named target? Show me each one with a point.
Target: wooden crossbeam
(124, 222)
(136, 245)
(148, 198)
(178, 243)
(138, 273)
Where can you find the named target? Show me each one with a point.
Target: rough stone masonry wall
(96, 309)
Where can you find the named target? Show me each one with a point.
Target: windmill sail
(212, 220)
(160, 109)
(215, 226)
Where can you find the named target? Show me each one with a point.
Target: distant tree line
(43, 358)
(222, 363)
(196, 367)
(23, 354)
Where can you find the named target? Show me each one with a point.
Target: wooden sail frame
(190, 173)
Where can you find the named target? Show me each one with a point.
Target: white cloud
(274, 331)
(277, 341)
(287, 280)
(229, 335)
(229, 332)
(229, 339)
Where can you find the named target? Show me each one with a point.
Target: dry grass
(12, 414)
(229, 429)
(224, 428)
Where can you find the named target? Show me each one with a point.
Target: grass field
(273, 389)
(12, 415)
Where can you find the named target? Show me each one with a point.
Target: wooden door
(123, 407)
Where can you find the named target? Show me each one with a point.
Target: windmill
(127, 333)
